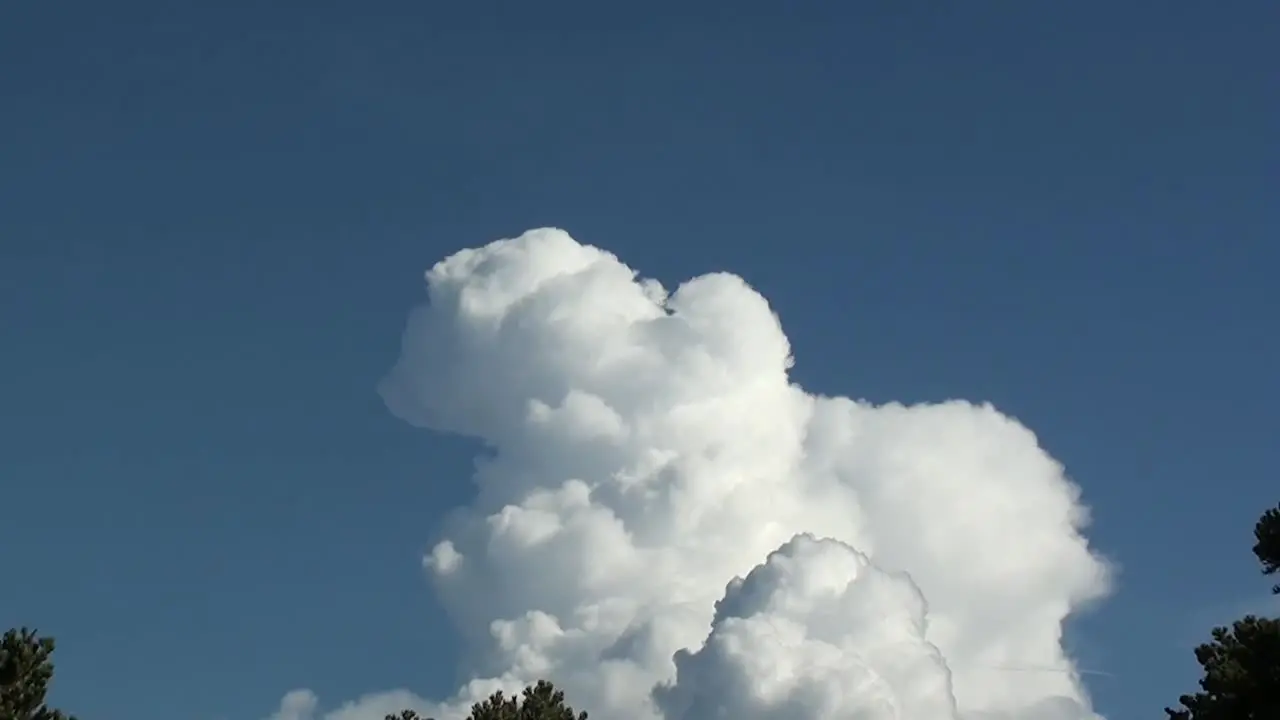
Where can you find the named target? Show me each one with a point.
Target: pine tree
(1242, 664)
(26, 668)
(539, 702)
(1267, 532)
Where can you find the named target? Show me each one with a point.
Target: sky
(215, 220)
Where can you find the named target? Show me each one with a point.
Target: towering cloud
(669, 528)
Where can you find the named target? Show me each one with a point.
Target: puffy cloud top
(669, 528)
(815, 631)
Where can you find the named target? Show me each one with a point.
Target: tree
(1242, 664)
(1267, 531)
(540, 702)
(26, 668)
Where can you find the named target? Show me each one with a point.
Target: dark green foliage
(1267, 532)
(26, 668)
(1242, 664)
(1241, 674)
(540, 702)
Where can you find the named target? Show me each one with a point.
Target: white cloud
(815, 631)
(297, 705)
(648, 450)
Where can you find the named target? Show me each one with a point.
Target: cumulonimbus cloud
(668, 527)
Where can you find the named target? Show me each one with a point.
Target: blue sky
(214, 218)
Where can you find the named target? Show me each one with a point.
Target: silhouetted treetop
(1267, 533)
(26, 668)
(1242, 663)
(538, 702)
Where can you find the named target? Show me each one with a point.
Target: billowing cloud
(852, 641)
(667, 527)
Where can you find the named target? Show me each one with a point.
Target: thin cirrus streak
(668, 527)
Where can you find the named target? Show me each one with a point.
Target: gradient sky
(214, 219)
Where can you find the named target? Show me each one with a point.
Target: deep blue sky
(214, 218)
